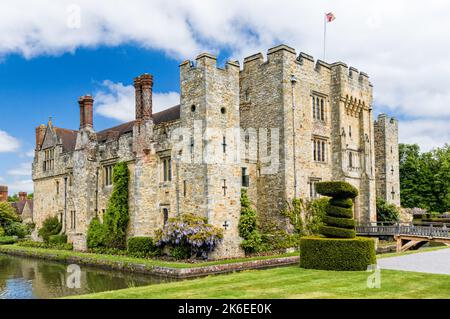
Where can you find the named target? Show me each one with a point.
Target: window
(319, 150)
(73, 220)
(312, 188)
(224, 187)
(393, 193)
(57, 187)
(224, 144)
(245, 177)
(349, 131)
(108, 175)
(318, 108)
(49, 159)
(350, 159)
(165, 211)
(167, 169)
(184, 188)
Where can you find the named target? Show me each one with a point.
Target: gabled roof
(20, 205)
(68, 138)
(168, 115)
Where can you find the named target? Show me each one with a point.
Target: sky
(52, 52)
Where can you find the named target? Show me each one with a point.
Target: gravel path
(434, 262)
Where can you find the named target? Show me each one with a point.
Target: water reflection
(26, 278)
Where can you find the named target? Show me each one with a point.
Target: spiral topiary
(339, 221)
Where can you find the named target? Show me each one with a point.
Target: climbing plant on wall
(116, 216)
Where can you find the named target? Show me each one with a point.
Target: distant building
(24, 207)
(3, 193)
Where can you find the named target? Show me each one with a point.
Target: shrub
(57, 239)
(141, 246)
(341, 190)
(337, 232)
(35, 244)
(95, 234)
(16, 229)
(7, 240)
(190, 231)
(51, 226)
(387, 212)
(337, 254)
(248, 225)
(116, 216)
(2, 232)
(339, 220)
(181, 252)
(7, 214)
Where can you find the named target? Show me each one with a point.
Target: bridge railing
(392, 229)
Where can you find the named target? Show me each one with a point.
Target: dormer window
(49, 159)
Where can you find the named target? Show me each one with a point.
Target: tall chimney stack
(22, 196)
(40, 132)
(86, 103)
(143, 89)
(3, 193)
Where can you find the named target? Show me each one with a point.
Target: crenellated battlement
(385, 120)
(205, 61)
(350, 75)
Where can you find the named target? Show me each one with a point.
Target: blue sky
(53, 52)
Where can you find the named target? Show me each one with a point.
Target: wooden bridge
(408, 236)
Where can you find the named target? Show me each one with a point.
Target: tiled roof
(68, 138)
(168, 115)
(20, 205)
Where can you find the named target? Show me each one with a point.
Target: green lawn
(294, 282)
(63, 255)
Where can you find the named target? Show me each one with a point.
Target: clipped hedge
(337, 232)
(342, 202)
(337, 254)
(339, 222)
(337, 189)
(141, 246)
(7, 240)
(57, 239)
(340, 212)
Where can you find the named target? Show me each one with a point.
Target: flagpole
(324, 34)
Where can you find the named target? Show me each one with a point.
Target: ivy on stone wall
(248, 225)
(115, 221)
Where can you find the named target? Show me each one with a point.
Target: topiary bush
(141, 247)
(50, 226)
(340, 250)
(339, 221)
(337, 254)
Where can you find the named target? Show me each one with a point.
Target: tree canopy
(425, 177)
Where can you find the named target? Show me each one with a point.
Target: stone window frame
(166, 168)
(319, 104)
(73, 220)
(312, 190)
(108, 174)
(245, 177)
(49, 159)
(353, 157)
(320, 149)
(165, 212)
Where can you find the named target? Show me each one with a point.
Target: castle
(275, 126)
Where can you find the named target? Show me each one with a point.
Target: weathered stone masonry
(320, 115)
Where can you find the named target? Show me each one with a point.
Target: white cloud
(117, 101)
(427, 133)
(401, 44)
(24, 169)
(22, 185)
(8, 143)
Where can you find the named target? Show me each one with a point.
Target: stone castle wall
(224, 112)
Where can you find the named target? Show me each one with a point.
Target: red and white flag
(330, 16)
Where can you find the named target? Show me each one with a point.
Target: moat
(27, 278)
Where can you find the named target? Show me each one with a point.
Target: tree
(7, 214)
(248, 225)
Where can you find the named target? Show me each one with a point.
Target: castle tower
(387, 168)
(209, 165)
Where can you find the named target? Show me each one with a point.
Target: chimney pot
(22, 196)
(3, 193)
(86, 103)
(143, 89)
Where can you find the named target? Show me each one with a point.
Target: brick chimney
(3, 193)
(86, 103)
(40, 132)
(143, 86)
(22, 196)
